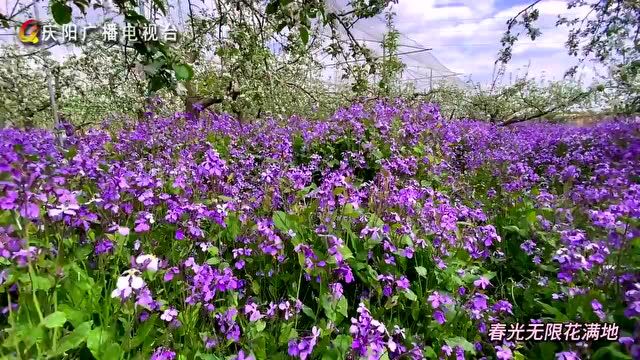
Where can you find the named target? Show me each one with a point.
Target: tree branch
(547, 111)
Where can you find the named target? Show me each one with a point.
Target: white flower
(205, 246)
(151, 261)
(291, 233)
(380, 327)
(129, 281)
(94, 200)
(69, 209)
(222, 209)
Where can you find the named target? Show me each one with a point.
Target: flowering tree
(88, 87)
(609, 34)
(505, 104)
(297, 18)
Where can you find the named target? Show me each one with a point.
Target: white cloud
(465, 35)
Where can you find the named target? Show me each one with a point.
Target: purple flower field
(383, 232)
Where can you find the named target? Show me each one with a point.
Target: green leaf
(26, 334)
(429, 353)
(327, 305)
(462, 342)
(421, 270)
(142, 333)
(610, 352)
(98, 341)
(346, 253)
(331, 354)
(41, 282)
(287, 333)
(54, 320)
(75, 317)
(202, 356)
(71, 153)
(304, 35)
(74, 339)
(342, 306)
(273, 7)
(213, 251)
(415, 310)
(61, 13)
(546, 350)
(280, 221)
(350, 211)
(516, 229)
(532, 217)
(342, 343)
(410, 295)
(157, 82)
(375, 221)
(307, 311)
(260, 325)
(553, 311)
(183, 71)
(113, 352)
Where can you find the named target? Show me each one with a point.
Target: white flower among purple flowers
(64, 209)
(148, 262)
(129, 282)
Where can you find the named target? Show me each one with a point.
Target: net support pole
(430, 80)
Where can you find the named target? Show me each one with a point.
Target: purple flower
(145, 299)
(169, 315)
(163, 353)
(482, 282)
(447, 350)
(503, 306)
(528, 247)
(241, 356)
(479, 302)
(171, 272)
(370, 337)
(103, 247)
(597, 309)
(626, 340)
(402, 283)
(336, 290)
(251, 309)
(567, 355)
(436, 299)
(503, 353)
(304, 347)
(143, 316)
(439, 317)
